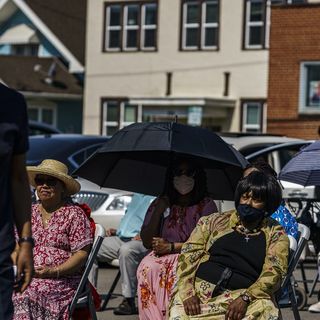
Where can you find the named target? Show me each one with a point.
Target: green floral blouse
(210, 228)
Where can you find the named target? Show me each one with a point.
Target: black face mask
(249, 214)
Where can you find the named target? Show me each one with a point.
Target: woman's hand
(45, 272)
(192, 306)
(237, 309)
(25, 270)
(111, 232)
(161, 246)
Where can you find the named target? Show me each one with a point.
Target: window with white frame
(200, 25)
(117, 114)
(43, 114)
(257, 23)
(252, 113)
(131, 26)
(310, 86)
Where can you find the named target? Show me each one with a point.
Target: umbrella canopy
(304, 167)
(136, 158)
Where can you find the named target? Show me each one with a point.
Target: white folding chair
(83, 296)
(93, 274)
(289, 282)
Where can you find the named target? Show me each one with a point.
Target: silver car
(108, 205)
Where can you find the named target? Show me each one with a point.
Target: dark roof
(18, 72)
(66, 19)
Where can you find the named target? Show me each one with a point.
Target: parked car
(71, 149)
(276, 150)
(108, 205)
(36, 128)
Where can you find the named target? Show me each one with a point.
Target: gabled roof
(66, 19)
(19, 72)
(62, 22)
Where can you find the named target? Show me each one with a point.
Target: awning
(224, 103)
(20, 34)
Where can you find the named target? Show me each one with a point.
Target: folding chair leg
(304, 278)
(92, 308)
(109, 294)
(314, 283)
(294, 304)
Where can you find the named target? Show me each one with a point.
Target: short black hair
(264, 187)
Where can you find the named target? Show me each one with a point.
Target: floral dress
(196, 251)
(67, 232)
(157, 275)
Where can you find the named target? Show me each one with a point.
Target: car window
(93, 199)
(120, 203)
(82, 155)
(251, 149)
(278, 157)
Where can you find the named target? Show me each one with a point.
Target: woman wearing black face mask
(233, 262)
(168, 224)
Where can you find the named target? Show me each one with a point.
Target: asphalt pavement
(107, 275)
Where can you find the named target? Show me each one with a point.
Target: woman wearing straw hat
(62, 237)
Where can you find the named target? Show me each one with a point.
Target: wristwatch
(245, 297)
(27, 239)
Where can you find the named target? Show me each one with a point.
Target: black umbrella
(304, 167)
(136, 158)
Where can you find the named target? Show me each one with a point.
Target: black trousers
(6, 286)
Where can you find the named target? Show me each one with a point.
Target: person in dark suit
(15, 200)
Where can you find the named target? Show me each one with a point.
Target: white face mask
(183, 184)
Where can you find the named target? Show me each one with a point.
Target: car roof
(36, 127)
(59, 146)
(87, 185)
(241, 142)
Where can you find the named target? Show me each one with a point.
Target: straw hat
(57, 170)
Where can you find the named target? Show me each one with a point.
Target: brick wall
(294, 37)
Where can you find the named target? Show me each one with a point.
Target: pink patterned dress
(67, 231)
(157, 275)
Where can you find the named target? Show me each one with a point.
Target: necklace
(46, 216)
(242, 229)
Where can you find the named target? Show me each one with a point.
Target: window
(200, 25)
(257, 23)
(310, 87)
(24, 49)
(42, 114)
(117, 114)
(131, 27)
(252, 115)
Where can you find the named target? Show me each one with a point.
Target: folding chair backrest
(293, 245)
(100, 232)
(304, 235)
(99, 236)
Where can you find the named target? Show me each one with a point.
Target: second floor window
(257, 23)
(131, 26)
(200, 25)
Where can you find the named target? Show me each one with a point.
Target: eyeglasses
(50, 182)
(177, 172)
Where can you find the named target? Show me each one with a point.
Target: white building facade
(204, 61)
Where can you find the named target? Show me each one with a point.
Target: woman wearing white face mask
(167, 225)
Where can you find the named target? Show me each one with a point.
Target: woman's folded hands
(192, 306)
